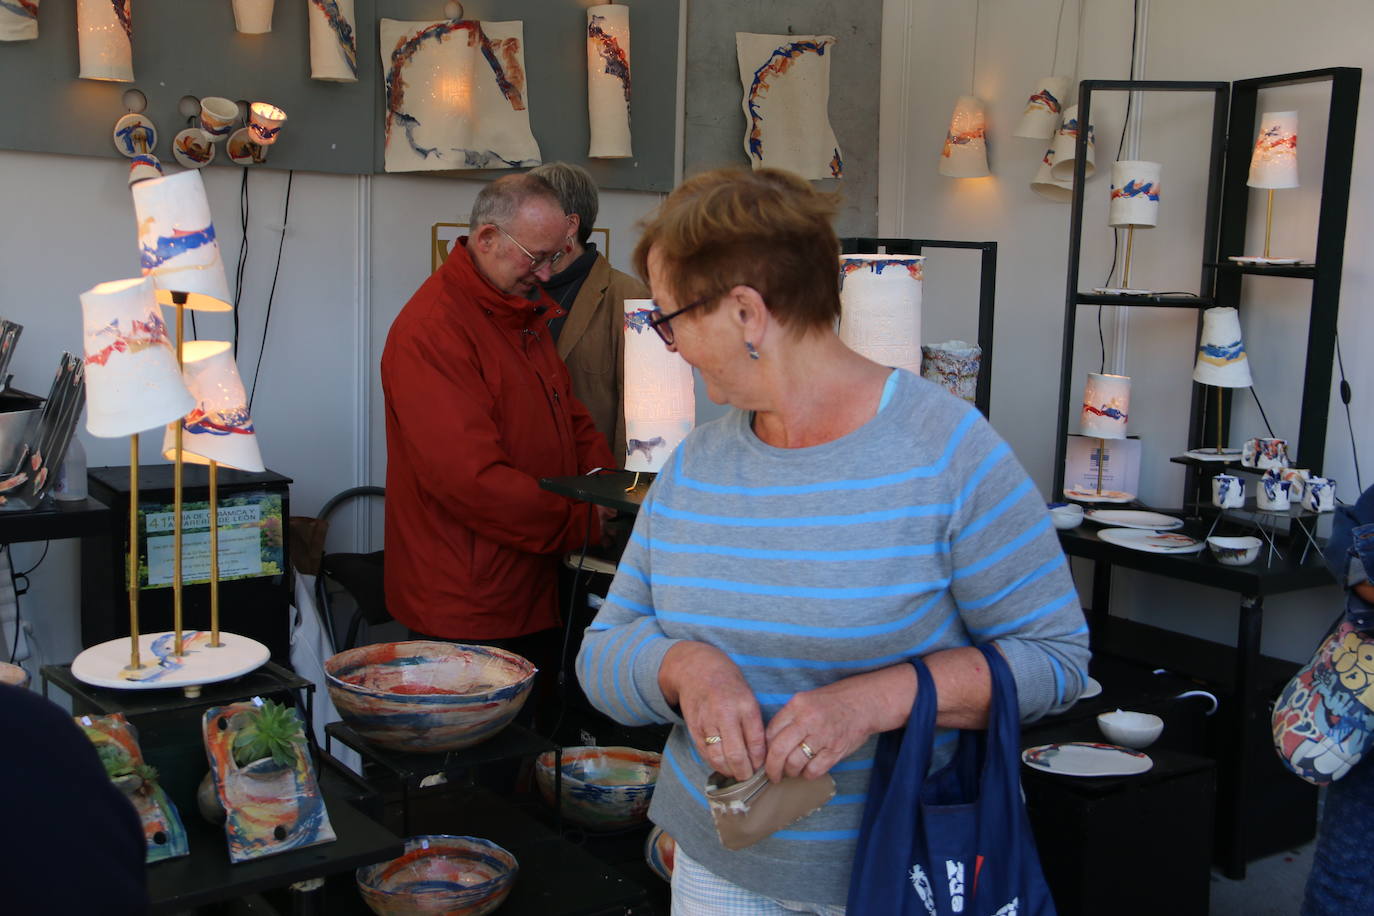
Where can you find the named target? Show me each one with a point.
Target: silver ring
(806, 749)
(711, 739)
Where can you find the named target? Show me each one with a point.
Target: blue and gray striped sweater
(918, 531)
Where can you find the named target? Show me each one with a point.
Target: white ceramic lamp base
(1092, 496)
(1211, 454)
(107, 665)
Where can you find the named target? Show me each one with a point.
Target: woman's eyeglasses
(660, 322)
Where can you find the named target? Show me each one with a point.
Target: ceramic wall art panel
(105, 32)
(1135, 193)
(455, 96)
(333, 43)
(880, 307)
(132, 381)
(786, 80)
(660, 399)
(219, 428)
(19, 20)
(608, 80)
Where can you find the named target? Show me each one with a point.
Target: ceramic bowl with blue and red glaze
(424, 697)
(440, 876)
(604, 788)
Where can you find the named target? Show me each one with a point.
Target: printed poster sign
(250, 540)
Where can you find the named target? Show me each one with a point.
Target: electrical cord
(1349, 424)
(267, 318)
(242, 265)
(1121, 144)
(14, 580)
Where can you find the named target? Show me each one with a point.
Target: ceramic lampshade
(253, 17)
(104, 33)
(219, 427)
(455, 96)
(965, 154)
(265, 122)
(19, 20)
(660, 398)
(144, 166)
(1221, 359)
(1065, 140)
(1044, 109)
(1274, 163)
(1135, 194)
(880, 307)
(333, 41)
(1046, 185)
(132, 381)
(176, 241)
(786, 83)
(1106, 406)
(608, 80)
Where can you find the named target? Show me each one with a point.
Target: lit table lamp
(1106, 410)
(965, 153)
(1273, 165)
(133, 384)
(660, 397)
(179, 251)
(880, 307)
(608, 80)
(217, 431)
(1222, 363)
(1134, 202)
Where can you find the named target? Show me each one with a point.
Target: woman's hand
(819, 728)
(722, 713)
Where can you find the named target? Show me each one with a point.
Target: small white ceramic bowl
(1130, 729)
(1234, 551)
(1066, 515)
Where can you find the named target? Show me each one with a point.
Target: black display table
(207, 876)
(1248, 727)
(408, 769)
(616, 490)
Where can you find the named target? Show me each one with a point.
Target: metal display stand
(987, 292)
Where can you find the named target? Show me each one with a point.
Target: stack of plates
(1151, 532)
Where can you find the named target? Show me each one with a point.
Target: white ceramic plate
(1134, 518)
(1090, 689)
(1119, 291)
(1210, 454)
(1106, 496)
(1247, 259)
(1151, 541)
(1086, 758)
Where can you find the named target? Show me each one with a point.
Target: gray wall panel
(715, 123)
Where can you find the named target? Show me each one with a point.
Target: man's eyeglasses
(550, 260)
(660, 322)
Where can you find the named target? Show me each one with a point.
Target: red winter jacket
(478, 408)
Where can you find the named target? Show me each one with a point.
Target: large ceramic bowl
(428, 696)
(449, 875)
(660, 850)
(604, 788)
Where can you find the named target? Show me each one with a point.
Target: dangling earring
(753, 353)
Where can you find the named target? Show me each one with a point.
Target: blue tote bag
(958, 841)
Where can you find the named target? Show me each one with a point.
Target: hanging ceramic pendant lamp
(965, 153)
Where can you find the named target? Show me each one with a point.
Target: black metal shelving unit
(987, 292)
(1074, 297)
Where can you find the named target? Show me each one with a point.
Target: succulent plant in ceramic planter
(268, 731)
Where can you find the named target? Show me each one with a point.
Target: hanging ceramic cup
(1272, 495)
(1228, 492)
(217, 116)
(1320, 495)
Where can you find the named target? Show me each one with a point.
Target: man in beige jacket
(591, 338)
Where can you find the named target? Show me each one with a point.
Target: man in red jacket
(478, 408)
